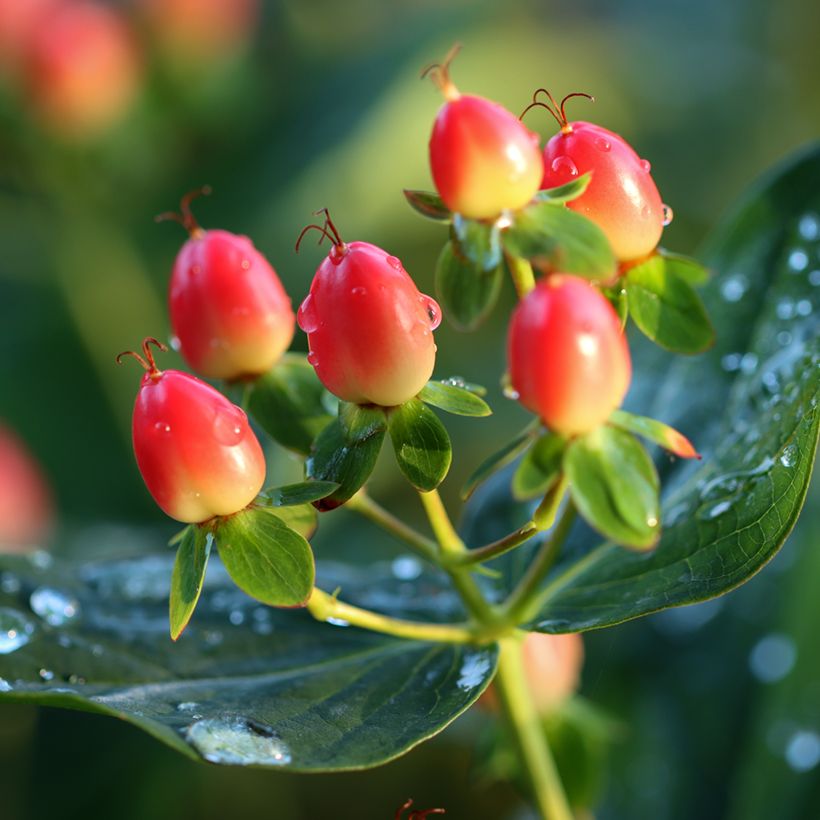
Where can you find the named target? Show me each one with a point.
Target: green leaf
(467, 295)
(540, 468)
(428, 204)
(421, 444)
(552, 236)
(265, 557)
(344, 460)
(566, 192)
(684, 267)
(667, 309)
(453, 399)
(245, 684)
(617, 298)
(360, 422)
(188, 576)
(288, 403)
(499, 459)
(615, 486)
(303, 518)
(291, 495)
(477, 242)
(655, 431)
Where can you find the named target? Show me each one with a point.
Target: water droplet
(814, 278)
(9, 583)
(511, 393)
(433, 310)
(652, 521)
(472, 672)
(15, 630)
(602, 144)
(245, 264)
(237, 741)
(46, 674)
(236, 617)
(790, 455)
(175, 343)
(668, 214)
(406, 567)
(5, 686)
(809, 227)
(772, 658)
(712, 511)
(734, 288)
(65, 641)
(646, 166)
(564, 165)
(306, 315)
(803, 308)
(803, 750)
(53, 606)
(41, 559)
(97, 650)
(229, 424)
(394, 262)
(337, 622)
(162, 427)
(455, 381)
(313, 359)
(784, 338)
(187, 706)
(798, 260)
(784, 309)
(748, 364)
(213, 637)
(358, 291)
(77, 679)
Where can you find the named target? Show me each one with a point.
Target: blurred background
(110, 111)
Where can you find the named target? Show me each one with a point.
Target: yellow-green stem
(522, 275)
(496, 548)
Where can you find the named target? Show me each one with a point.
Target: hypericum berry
(82, 68)
(19, 23)
(568, 357)
(483, 159)
(196, 451)
(369, 329)
(26, 507)
(622, 198)
(229, 311)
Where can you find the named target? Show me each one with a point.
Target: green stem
(522, 275)
(518, 606)
(529, 736)
(496, 548)
(324, 606)
(367, 507)
(446, 535)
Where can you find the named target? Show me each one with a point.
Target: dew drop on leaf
(15, 630)
(237, 741)
(53, 606)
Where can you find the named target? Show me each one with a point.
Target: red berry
(26, 508)
(622, 198)
(229, 311)
(483, 159)
(369, 328)
(82, 69)
(195, 449)
(568, 357)
(19, 22)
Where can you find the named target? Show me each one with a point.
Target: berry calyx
(369, 329)
(229, 311)
(483, 159)
(195, 450)
(621, 198)
(568, 357)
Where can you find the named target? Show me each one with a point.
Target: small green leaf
(347, 462)
(618, 299)
(615, 486)
(428, 204)
(656, 431)
(501, 458)
(454, 399)
(302, 518)
(187, 577)
(291, 495)
(540, 468)
(265, 558)
(359, 421)
(177, 537)
(466, 293)
(667, 309)
(684, 267)
(550, 235)
(566, 192)
(288, 403)
(477, 242)
(421, 443)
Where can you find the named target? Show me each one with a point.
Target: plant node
(185, 217)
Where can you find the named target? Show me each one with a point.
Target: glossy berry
(19, 22)
(568, 357)
(369, 329)
(229, 311)
(196, 451)
(483, 159)
(82, 69)
(622, 198)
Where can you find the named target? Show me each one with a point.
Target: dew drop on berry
(306, 315)
(228, 425)
(646, 166)
(510, 392)
(358, 291)
(565, 165)
(394, 262)
(313, 359)
(162, 427)
(433, 310)
(668, 214)
(245, 264)
(175, 343)
(602, 144)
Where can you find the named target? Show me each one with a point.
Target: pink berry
(229, 311)
(568, 357)
(369, 329)
(195, 450)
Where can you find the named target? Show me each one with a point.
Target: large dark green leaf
(245, 684)
(421, 444)
(750, 407)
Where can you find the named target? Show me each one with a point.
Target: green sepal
(684, 267)
(499, 459)
(554, 237)
(266, 558)
(188, 576)
(566, 192)
(454, 399)
(288, 403)
(655, 431)
(540, 468)
(301, 518)
(477, 242)
(344, 459)
(666, 307)
(615, 486)
(466, 293)
(617, 297)
(290, 495)
(428, 204)
(177, 537)
(421, 443)
(360, 421)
